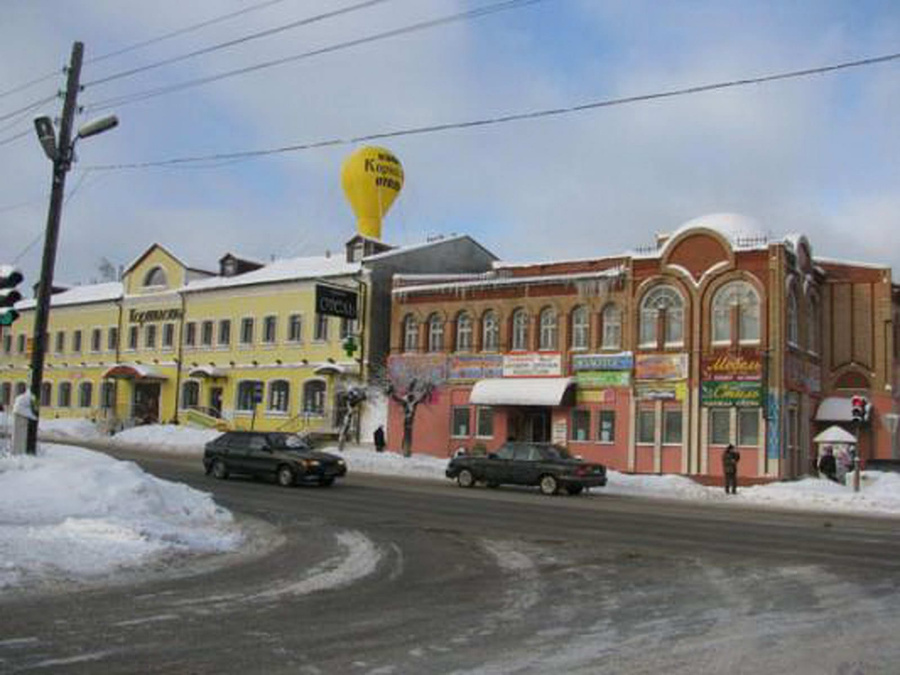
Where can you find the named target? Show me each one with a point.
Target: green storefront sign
(731, 393)
(603, 378)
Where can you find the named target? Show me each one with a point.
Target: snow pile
(72, 513)
(645, 485)
(879, 494)
(366, 460)
(166, 437)
(74, 428)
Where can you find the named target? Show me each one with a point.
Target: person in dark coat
(828, 464)
(730, 459)
(379, 439)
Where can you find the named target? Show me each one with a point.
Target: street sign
(333, 301)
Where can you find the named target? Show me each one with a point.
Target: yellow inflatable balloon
(372, 178)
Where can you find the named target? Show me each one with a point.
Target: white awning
(835, 409)
(207, 371)
(548, 391)
(130, 371)
(835, 434)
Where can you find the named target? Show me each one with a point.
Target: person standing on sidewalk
(730, 459)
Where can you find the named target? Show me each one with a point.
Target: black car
(548, 466)
(283, 456)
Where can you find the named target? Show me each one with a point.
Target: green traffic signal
(8, 317)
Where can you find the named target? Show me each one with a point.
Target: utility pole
(62, 162)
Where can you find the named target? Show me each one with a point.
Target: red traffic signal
(859, 408)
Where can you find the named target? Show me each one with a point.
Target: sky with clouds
(819, 155)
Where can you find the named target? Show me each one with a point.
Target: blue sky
(819, 155)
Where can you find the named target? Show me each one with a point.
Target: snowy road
(395, 576)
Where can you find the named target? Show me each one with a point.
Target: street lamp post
(62, 155)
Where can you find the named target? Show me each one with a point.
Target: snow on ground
(69, 513)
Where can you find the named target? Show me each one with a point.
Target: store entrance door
(530, 424)
(215, 400)
(145, 409)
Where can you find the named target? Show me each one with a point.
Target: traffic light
(10, 277)
(860, 408)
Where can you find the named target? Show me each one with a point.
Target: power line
(237, 41)
(28, 108)
(135, 97)
(186, 29)
(514, 117)
(16, 137)
(146, 43)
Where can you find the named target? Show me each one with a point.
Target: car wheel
(285, 476)
(219, 470)
(325, 482)
(465, 479)
(574, 489)
(549, 484)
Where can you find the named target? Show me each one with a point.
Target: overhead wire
(134, 97)
(503, 119)
(146, 43)
(236, 41)
(16, 137)
(28, 108)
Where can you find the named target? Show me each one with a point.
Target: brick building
(653, 361)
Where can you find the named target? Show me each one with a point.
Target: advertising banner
(605, 396)
(617, 362)
(661, 391)
(405, 367)
(743, 366)
(532, 364)
(476, 366)
(661, 367)
(597, 379)
(731, 394)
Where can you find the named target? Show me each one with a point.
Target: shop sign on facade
(143, 316)
(603, 362)
(661, 391)
(661, 367)
(731, 394)
(621, 378)
(403, 368)
(534, 364)
(476, 366)
(332, 301)
(560, 432)
(605, 396)
(743, 366)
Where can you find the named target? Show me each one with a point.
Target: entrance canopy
(835, 409)
(835, 434)
(544, 391)
(128, 371)
(206, 371)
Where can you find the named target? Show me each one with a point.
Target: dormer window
(156, 278)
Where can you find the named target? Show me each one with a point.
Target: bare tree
(410, 381)
(107, 270)
(352, 399)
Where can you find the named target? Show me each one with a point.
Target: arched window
(21, 388)
(662, 316)
(6, 393)
(190, 394)
(85, 394)
(46, 394)
(519, 330)
(410, 333)
(611, 318)
(463, 332)
(735, 305)
(490, 332)
(793, 320)
(812, 325)
(279, 396)
(435, 333)
(64, 395)
(580, 328)
(155, 277)
(314, 397)
(248, 395)
(549, 329)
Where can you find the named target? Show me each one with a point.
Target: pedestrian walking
(828, 464)
(730, 459)
(378, 437)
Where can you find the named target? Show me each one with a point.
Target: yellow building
(241, 347)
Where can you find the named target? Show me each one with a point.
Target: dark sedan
(550, 467)
(285, 457)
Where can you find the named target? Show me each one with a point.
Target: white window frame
(270, 329)
(295, 337)
(519, 342)
(490, 331)
(244, 322)
(410, 333)
(464, 332)
(662, 296)
(611, 318)
(581, 328)
(435, 333)
(549, 330)
(286, 395)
